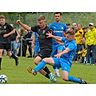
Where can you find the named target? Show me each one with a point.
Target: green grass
(19, 75)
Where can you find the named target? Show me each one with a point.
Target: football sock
(0, 63)
(47, 75)
(40, 66)
(13, 56)
(46, 70)
(74, 79)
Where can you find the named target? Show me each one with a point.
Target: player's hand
(58, 55)
(18, 22)
(5, 35)
(49, 35)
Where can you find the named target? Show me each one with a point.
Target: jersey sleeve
(71, 46)
(34, 29)
(10, 27)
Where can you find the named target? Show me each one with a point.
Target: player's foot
(83, 81)
(52, 77)
(29, 57)
(16, 61)
(30, 70)
(57, 75)
(56, 72)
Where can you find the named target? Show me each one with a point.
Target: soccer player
(45, 43)
(59, 29)
(6, 31)
(62, 59)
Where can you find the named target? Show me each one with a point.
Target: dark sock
(46, 70)
(47, 76)
(0, 62)
(13, 56)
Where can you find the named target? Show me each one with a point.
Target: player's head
(57, 16)
(70, 35)
(41, 21)
(2, 19)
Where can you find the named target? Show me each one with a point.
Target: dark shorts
(44, 53)
(6, 46)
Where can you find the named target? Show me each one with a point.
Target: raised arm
(26, 27)
(57, 38)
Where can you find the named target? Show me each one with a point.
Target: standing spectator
(79, 39)
(91, 43)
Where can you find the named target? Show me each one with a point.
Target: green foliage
(19, 74)
(68, 17)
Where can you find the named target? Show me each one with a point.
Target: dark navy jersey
(44, 42)
(5, 29)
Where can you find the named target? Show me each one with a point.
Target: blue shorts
(62, 63)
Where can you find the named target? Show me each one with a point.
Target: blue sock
(40, 66)
(74, 79)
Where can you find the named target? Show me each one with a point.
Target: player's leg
(36, 61)
(45, 71)
(65, 77)
(10, 54)
(43, 54)
(54, 52)
(65, 74)
(1, 51)
(43, 63)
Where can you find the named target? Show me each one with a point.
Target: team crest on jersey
(62, 28)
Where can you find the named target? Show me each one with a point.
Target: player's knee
(45, 59)
(65, 78)
(36, 62)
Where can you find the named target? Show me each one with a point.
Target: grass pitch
(19, 75)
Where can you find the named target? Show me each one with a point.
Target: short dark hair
(41, 17)
(70, 32)
(58, 13)
(2, 17)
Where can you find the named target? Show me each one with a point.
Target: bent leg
(42, 64)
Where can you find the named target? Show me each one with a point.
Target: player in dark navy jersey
(45, 43)
(6, 31)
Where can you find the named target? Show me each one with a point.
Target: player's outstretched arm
(57, 38)
(63, 52)
(26, 27)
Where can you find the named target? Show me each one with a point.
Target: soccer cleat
(16, 61)
(52, 77)
(57, 74)
(83, 81)
(30, 70)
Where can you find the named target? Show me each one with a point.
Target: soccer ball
(3, 79)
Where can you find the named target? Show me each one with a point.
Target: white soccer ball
(3, 79)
